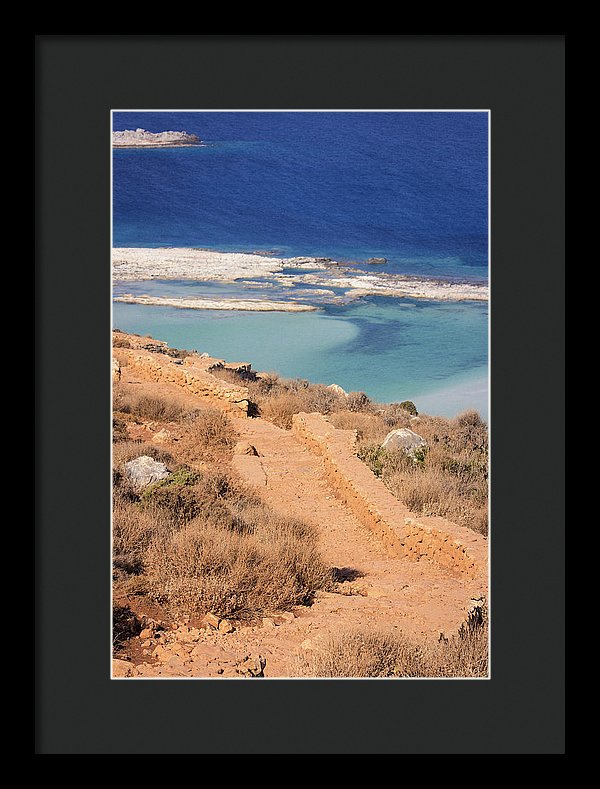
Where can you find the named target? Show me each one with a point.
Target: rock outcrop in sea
(140, 138)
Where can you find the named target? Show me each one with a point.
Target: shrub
(205, 568)
(368, 426)
(120, 340)
(175, 495)
(208, 542)
(207, 434)
(394, 416)
(373, 455)
(119, 430)
(408, 405)
(125, 625)
(154, 408)
(133, 528)
(358, 401)
(278, 399)
(359, 653)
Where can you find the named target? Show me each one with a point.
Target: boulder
(144, 470)
(377, 261)
(116, 371)
(338, 390)
(404, 439)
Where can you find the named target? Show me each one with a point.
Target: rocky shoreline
(203, 265)
(140, 138)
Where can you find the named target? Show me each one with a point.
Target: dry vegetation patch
(448, 479)
(361, 653)
(200, 540)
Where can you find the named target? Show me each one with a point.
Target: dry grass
(450, 479)
(133, 530)
(203, 541)
(205, 567)
(203, 433)
(207, 435)
(235, 557)
(152, 407)
(280, 407)
(359, 653)
(369, 427)
(125, 451)
(278, 399)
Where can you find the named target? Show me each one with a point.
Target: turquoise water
(433, 353)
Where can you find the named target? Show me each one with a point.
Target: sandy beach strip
(247, 305)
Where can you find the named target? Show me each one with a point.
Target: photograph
(300, 414)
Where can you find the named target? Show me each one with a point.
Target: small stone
(307, 644)
(268, 622)
(210, 621)
(146, 633)
(254, 665)
(146, 643)
(180, 649)
(160, 653)
(175, 661)
(122, 668)
(225, 626)
(245, 448)
(287, 616)
(162, 436)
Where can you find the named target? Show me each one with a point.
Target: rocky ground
(374, 590)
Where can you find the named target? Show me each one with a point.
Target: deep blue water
(411, 187)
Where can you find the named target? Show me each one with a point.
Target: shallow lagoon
(434, 353)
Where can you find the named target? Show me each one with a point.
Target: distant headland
(140, 138)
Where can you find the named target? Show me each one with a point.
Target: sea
(408, 186)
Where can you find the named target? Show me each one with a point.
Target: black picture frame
(79, 79)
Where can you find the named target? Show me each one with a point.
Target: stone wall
(191, 374)
(460, 551)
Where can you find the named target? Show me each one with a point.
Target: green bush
(176, 494)
(408, 405)
(374, 456)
